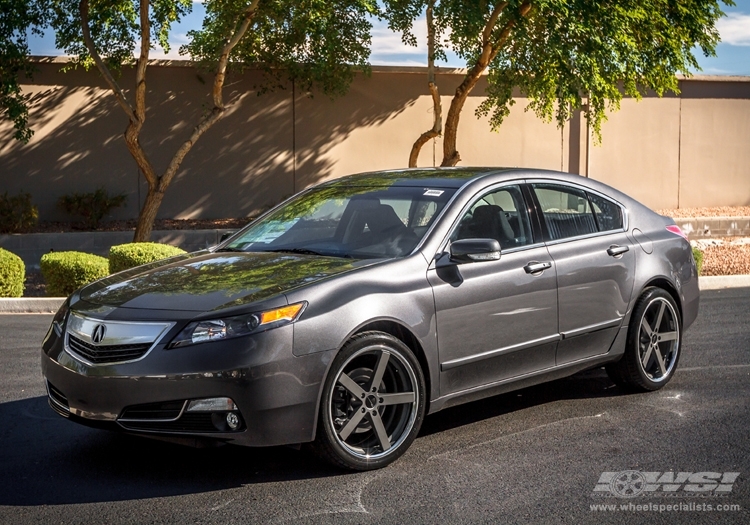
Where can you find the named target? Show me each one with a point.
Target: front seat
(490, 222)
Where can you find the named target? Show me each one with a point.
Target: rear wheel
(653, 343)
(373, 403)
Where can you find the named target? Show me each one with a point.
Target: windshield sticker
(433, 193)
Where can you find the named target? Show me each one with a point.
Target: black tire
(362, 426)
(653, 344)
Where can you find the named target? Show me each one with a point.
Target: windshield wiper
(303, 251)
(228, 249)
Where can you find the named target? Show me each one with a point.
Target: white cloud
(735, 29)
(386, 42)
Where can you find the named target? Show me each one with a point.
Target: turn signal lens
(212, 404)
(286, 313)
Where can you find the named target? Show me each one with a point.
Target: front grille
(57, 400)
(189, 422)
(151, 411)
(107, 353)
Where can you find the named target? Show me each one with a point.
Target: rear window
(608, 214)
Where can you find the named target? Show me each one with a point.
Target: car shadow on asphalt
(47, 460)
(589, 384)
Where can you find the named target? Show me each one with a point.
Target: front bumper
(276, 392)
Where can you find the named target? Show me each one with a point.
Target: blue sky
(733, 54)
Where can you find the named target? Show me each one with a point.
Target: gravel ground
(719, 211)
(729, 256)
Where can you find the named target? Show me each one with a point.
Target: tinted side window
(608, 214)
(567, 212)
(499, 215)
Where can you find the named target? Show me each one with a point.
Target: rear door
(595, 264)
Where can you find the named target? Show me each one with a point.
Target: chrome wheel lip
(356, 452)
(655, 340)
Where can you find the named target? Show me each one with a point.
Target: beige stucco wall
(674, 151)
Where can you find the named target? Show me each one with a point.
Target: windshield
(347, 221)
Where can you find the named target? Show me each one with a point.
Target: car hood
(206, 281)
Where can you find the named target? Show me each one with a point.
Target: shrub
(65, 272)
(12, 274)
(698, 256)
(17, 214)
(91, 206)
(133, 254)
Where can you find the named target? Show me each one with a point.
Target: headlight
(228, 327)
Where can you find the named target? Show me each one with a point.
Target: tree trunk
(157, 185)
(450, 153)
(147, 215)
(437, 109)
(490, 48)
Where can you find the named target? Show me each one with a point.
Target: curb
(49, 305)
(718, 282)
(30, 305)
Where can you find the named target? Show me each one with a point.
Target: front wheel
(373, 403)
(653, 343)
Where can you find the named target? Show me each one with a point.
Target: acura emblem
(98, 334)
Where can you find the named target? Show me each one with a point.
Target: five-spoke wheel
(653, 344)
(372, 404)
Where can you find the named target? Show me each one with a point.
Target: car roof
(459, 177)
(432, 177)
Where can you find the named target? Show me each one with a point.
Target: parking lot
(532, 456)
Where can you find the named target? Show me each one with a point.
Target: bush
(66, 272)
(698, 256)
(17, 214)
(133, 254)
(91, 206)
(12, 274)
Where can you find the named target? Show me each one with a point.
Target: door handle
(536, 267)
(615, 250)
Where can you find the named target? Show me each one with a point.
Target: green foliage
(566, 55)
(115, 28)
(698, 256)
(318, 43)
(17, 214)
(93, 207)
(18, 18)
(65, 272)
(133, 254)
(12, 274)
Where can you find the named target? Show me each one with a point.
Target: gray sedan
(345, 314)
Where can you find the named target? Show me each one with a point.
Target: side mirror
(470, 250)
(225, 236)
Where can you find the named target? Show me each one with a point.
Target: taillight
(677, 231)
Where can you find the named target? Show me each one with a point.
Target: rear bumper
(276, 393)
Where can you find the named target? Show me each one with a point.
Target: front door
(495, 319)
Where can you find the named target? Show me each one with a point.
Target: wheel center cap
(654, 338)
(371, 401)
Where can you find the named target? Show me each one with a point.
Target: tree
(309, 42)
(17, 17)
(564, 55)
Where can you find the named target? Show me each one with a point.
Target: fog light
(233, 421)
(211, 404)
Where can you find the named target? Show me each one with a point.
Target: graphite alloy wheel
(653, 344)
(373, 403)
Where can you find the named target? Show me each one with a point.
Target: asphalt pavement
(532, 456)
